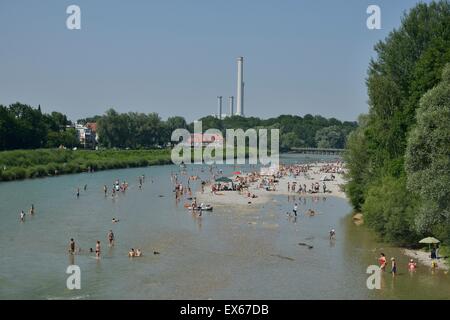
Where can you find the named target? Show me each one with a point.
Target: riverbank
(28, 164)
(262, 196)
(424, 258)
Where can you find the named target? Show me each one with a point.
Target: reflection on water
(255, 252)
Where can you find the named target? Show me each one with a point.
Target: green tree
(393, 217)
(427, 159)
(358, 164)
(290, 140)
(330, 137)
(66, 138)
(408, 64)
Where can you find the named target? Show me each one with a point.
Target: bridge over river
(323, 151)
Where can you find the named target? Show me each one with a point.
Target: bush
(390, 209)
(21, 164)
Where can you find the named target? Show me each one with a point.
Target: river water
(230, 253)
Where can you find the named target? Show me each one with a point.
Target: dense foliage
(428, 159)
(21, 164)
(295, 131)
(23, 127)
(139, 130)
(409, 63)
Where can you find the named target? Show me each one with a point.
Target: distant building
(199, 139)
(93, 127)
(87, 134)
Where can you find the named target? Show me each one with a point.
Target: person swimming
(114, 220)
(138, 252)
(131, 253)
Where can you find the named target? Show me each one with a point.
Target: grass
(25, 164)
(28, 164)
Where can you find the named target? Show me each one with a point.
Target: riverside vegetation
(399, 156)
(22, 164)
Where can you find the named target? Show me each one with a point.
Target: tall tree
(428, 159)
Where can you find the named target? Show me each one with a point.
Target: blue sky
(174, 57)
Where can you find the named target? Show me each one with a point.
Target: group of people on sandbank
(315, 188)
(337, 167)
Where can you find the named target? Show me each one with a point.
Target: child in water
(382, 261)
(394, 266)
(412, 265)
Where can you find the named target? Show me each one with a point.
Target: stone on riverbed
(358, 219)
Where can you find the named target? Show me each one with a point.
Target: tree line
(23, 127)
(399, 156)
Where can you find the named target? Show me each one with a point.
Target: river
(229, 253)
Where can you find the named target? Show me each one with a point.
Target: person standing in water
(72, 246)
(105, 190)
(78, 193)
(295, 209)
(393, 267)
(85, 187)
(22, 216)
(32, 209)
(111, 238)
(382, 261)
(412, 265)
(332, 234)
(97, 249)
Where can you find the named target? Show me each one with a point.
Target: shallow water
(230, 253)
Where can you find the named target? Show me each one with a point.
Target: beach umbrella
(223, 179)
(429, 241)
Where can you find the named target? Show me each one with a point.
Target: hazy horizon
(175, 57)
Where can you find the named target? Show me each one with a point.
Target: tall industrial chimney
(219, 107)
(240, 87)
(231, 105)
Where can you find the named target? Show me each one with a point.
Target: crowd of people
(117, 186)
(241, 183)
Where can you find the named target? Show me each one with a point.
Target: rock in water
(358, 219)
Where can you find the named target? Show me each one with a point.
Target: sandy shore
(235, 198)
(424, 258)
